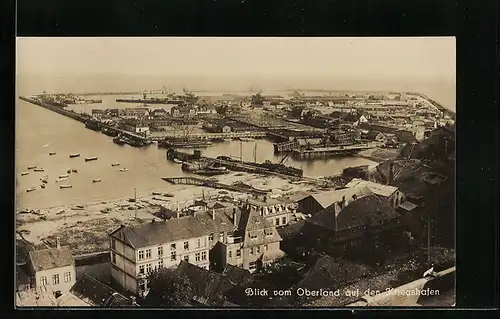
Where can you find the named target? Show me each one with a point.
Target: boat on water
(44, 181)
(65, 186)
(31, 189)
(92, 158)
(61, 179)
(31, 167)
(93, 125)
(118, 140)
(74, 155)
(178, 161)
(124, 170)
(115, 164)
(63, 176)
(68, 171)
(185, 143)
(42, 186)
(24, 173)
(39, 169)
(246, 139)
(109, 132)
(96, 180)
(52, 153)
(74, 170)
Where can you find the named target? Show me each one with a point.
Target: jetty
(209, 183)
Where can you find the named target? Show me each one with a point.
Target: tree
(168, 289)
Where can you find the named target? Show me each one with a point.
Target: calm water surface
(40, 131)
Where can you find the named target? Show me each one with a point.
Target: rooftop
(376, 188)
(96, 293)
(237, 275)
(326, 199)
(51, 258)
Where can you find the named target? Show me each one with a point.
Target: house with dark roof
(137, 250)
(53, 268)
(236, 275)
(95, 293)
(209, 287)
(365, 228)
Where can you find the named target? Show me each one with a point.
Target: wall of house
(309, 205)
(123, 279)
(63, 285)
(396, 199)
(279, 219)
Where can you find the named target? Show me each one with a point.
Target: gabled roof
(208, 286)
(254, 224)
(157, 233)
(325, 199)
(51, 258)
(98, 294)
(365, 211)
(376, 188)
(237, 275)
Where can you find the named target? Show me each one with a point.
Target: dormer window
(252, 235)
(268, 232)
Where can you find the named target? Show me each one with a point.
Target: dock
(332, 151)
(208, 183)
(233, 135)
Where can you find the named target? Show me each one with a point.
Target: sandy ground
(85, 228)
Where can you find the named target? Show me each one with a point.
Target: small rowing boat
(52, 153)
(31, 189)
(92, 158)
(115, 164)
(24, 173)
(46, 145)
(42, 186)
(74, 170)
(65, 186)
(178, 161)
(39, 169)
(124, 170)
(74, 155)
(44, 180)
(61, 179)
(31, 167)
(96, 180)
(63, 176)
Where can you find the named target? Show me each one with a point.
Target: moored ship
(185, 143)
(92, 125)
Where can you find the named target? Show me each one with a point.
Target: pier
(332, 151)
(234, 135)
(208, 183)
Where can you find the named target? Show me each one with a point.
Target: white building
(390, 193)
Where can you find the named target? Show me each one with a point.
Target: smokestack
(391, 173)
(213, 214)
(58, 243)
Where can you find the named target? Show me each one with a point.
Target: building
(158, 113)
(315, 203)
(97, 294)
(182, 111)
(53, 268)
(410, 135)
(390, 193)
(276, 212)
(136, 126)
(375, 136)
(367, 229)
(254, 244)
(97, 113)
(136, 251)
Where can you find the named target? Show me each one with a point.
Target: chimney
(391, 172)
(178, 214)
(235, 222)
(344, 202)
(58, 243)
(213, 214)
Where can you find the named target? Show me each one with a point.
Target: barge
(184, 143)
(92, 125)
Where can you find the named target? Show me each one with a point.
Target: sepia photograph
(226, 172)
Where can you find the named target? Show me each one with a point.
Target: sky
(364, 57)
(114, 64)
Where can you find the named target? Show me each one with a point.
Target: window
(160, 251)
(43, 281)
(204, 241)
(197, 257)
(141, 269)
(268, 232)
(160, 263)
(172, 246)
(252, 265)
(204, 256)
(55, 279)
(221, 237)
(113, 243)
(283, 220)
(148, 253)
(211, 237)
(252, 235)
(198, 243)
(186, 245)
(141, 254)
(257, 249)
(277, 221)
(265, 247)
(113, 258)
(251, 251)
(148, 268)
(186, 258)
(230, 254)
(238, 253)
(67, 276)
(173, 256)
